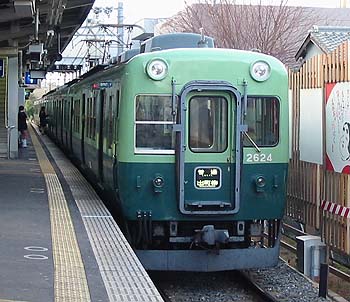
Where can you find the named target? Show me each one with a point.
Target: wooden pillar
(318, 196)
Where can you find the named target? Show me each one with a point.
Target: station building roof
(326, 38)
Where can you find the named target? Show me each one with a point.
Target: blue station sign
(2, 73)
(29, 80)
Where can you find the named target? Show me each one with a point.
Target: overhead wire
(116, 35)
(81, 47)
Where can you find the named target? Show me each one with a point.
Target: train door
(101, 133)
(56, 120)
(115, 137)
(108, 125)
(208, 150)
(65, 123)
(61, 120)
(71, 109)
(82, 138)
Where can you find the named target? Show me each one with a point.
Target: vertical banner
(311, 120)
(2, 73)
(338, 127)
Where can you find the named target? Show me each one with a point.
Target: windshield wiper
(252, 141)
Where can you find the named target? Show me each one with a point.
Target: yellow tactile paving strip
(70, 283)
(123, 275)
(2, 300)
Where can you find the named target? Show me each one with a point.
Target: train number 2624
(259, 157)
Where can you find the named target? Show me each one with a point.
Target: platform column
(14, 93)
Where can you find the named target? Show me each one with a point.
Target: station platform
(58, 242)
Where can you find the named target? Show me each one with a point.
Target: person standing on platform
(22, 126)
(43, 119)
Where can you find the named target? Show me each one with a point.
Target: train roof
(176, 40)
(188, 42)
(166, 41)
(127, 55)
(94, 70)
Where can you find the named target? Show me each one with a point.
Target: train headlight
(158, 184)
(260, 184)
(157, 69)
(260, 71)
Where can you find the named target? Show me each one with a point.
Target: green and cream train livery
(191, 143)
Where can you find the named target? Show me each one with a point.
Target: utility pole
(120, 30)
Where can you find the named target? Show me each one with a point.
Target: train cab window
(153, 123)
(208, 124)
(263, 121)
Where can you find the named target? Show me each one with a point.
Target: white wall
(312, 51)
(311, 123)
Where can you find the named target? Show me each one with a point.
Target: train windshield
(154, 124)
(263, 121)
(208, 124)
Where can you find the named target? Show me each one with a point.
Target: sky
(135, 10)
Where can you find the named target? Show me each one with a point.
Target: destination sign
(102, 85)
(66, 67)
(207, 177)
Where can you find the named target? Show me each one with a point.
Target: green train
(191, 142)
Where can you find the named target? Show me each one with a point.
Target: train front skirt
(209, 260)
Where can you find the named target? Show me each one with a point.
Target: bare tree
(275, 30)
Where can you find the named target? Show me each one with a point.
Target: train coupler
(209, 235)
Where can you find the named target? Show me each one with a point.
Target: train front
(203, 181)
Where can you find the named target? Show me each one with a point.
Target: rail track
(264, 295)
(205, 287)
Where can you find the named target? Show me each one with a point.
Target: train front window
(263, 121)
(154, 121)
(208, 124)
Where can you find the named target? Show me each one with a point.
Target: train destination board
(207, 177)
(102, 85)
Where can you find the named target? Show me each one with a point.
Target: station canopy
(24, 22)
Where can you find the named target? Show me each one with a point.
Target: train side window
(76, 112)
(208, 124)
(91, 118)
(154, 121)
(263, 121)
(117, 103)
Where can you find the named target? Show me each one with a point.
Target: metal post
(20, 67)
(323, 284)
(120, 30)
(36, 31)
